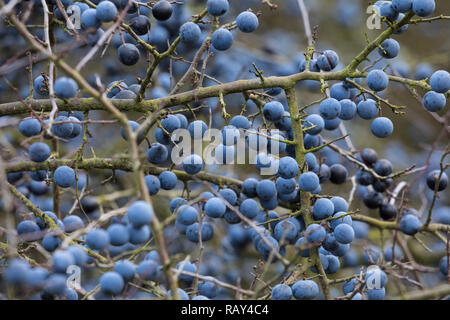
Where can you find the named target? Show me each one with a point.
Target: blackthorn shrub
(200, 150)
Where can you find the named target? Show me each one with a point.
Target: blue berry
(328, 60)
(157, 153)
(230, 135)
(346, 219)
(38, 175)
(80, 256)
(97, 239)
(111, 282)
(215, 208)
(140, 25)
(139, 235)
(308, 181)
(197, 129)
(229, 196)
(192, 232)
(440, 81)
(339, 91)
(367, 109)
(332, 124)
(28, 230)
(315, 123)
(273, 111)
(344, 233)
(153, 184)
(217, 7)
(183, 295)
(55, 284)
(265, 249)
(443, 265)
(266, 189)
(349, 286)
(433, 101)
(126, 269)
(275, 145)
(162, 10)
(423, 8)
(281, 292)
(257, 142)
(133, 126)
(323, 208)
(410, 224)
(72, 223)
(183, 120)
(433, 177)
(222, 39)
(338, 174)
(176, 203)
(62, 130)
(106, 11)
(377, 80)
(247, 21)
(50, 242)
(269, 204)
(208, 289)
(16, 272)
(30, 127)
(339, 204)
(315, 233)
(64, 177)
(402, 5)
(168, 180)
(305, 290)
(333, 264)
(192, 164)
(170, 123)
(76, 127)
(118, 234)
(423, 71)
(188, 267)
(40, 87)
(249, 208)
(285, 186)
(140, 213)
(240, 122)
(286, 230)
(376, 294)
(61, 261)
(388, 11)
(288, 168)
(89, 19)
(329, 108)
(128, 54)
(187, 215)
(65, 88)
(36, 277)
(249, 186)
(383, 167)
(389, 49)
(190, 32)
(382, 127)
